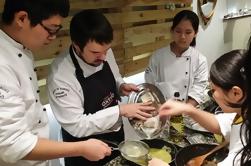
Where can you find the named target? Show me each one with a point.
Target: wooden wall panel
(114, 19)
(155, 2)
(135, 66)
(43, 94)
(148, 33)
(1, 5)
(53, 49)
(138, 16)
(95, 4)
(140, 27)
(133, 51)
(62, 43)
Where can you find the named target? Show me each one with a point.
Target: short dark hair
(90, 25)
(37, 10)
(187, 15)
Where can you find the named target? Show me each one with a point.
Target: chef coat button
(38, 91)
(185, 86)
(44, 109)
(186, 72)
(187, 59)
(183, 99)
(20, 55)
(39, 121)
(36, 100)
(35, 69)
(30, 78)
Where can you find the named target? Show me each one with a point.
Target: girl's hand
(157, 162)
(171, 107)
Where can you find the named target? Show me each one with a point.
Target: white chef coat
(67, 100)
(22, 117)
(231, 132)
(187, 74)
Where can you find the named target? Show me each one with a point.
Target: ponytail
(246, 126)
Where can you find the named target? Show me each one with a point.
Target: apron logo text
(108, 100)
(60, 92)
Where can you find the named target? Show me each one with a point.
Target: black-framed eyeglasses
(51, 32)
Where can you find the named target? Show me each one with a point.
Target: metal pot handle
(148, 157)
(113, 145)
(113, 148)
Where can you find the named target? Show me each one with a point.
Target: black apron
(99, 92)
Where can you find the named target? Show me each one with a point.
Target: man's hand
(137, 110)
(94, 149)
(125, 89)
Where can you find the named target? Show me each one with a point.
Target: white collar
(10, 40)
(89, 69)
(186, 53)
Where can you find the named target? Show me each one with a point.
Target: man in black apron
(99, 91)
(92, 34)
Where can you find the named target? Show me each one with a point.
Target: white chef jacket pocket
(165, 88)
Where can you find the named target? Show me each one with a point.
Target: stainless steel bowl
(146, 88)
(148, 92)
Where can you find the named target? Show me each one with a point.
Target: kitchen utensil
(197, 161)
(132, 150)
(187, 153)
(153, 144)
(113, 148)
(162, 144)
(159, 145)
(199, 138)
(153, 127)
(193, 125)
(136, 151)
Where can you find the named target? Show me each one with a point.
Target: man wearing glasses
(52, 32)
(27, 26)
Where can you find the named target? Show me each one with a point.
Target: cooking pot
(191, 151)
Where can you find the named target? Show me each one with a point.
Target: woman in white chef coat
(179, 67)
(230, 82)
(84, 85)
(28, 25)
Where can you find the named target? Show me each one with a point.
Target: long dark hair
(246, 126)
(187, 15)
(233, 69)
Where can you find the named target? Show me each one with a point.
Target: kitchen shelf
(237, 17)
